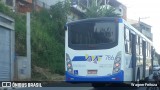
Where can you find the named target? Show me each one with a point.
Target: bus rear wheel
(97, 85)
(138, 76)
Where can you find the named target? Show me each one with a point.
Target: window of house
(9, 2)
(102, 2)
(74, 2)
(120, 10)
(83, 3)
(90, 2)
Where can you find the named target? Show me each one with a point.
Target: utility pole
(28, 43)
(107, 3)
(139, 24)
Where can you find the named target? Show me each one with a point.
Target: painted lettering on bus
(110, 57)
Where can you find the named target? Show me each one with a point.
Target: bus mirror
(65, 27)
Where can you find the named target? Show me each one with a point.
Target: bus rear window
(93, 33)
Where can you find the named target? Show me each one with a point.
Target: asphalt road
(83, 87)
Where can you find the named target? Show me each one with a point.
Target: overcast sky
(149, 9)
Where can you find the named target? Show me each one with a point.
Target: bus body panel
(98, 65)
(100, 61)
(126, 58)
(83, 61)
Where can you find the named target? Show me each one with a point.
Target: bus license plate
(92, 72)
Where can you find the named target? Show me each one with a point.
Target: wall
(22, 68)
(7, 48)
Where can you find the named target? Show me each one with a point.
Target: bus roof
(93, 19)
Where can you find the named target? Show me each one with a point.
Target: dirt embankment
(41, 74)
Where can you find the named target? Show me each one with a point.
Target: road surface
(83, 87)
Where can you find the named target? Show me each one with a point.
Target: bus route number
(109, 57)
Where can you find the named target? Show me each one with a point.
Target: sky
(148, 9)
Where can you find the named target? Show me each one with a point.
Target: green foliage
(20, 29)
(59, 17)
(98, 11)
(4, 9)
(47, 36)
(46, 51)
(20, 34)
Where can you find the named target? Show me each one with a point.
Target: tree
(100, 11)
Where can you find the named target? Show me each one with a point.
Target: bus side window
(137, 44)
(146, 49)
(150, 51)
(127, 41)
(140, 46)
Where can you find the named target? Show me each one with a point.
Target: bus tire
(153, 88)
(97, 85)
(138, 76)
(150, 72)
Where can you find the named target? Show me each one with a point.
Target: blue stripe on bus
(120, 20)
(75, 78)
(79, 58)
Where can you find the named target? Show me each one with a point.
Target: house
(24, 6)
(77, 7)
(10, 3)
(142, 27)
(19, 5)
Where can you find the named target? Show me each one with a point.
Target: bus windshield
(92, 33)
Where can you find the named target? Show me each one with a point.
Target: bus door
(133, 43)
(144, 57)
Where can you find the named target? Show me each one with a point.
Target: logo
(93, 59)
(75, 72)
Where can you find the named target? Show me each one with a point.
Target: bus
(106, 49)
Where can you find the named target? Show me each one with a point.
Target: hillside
(47, 40)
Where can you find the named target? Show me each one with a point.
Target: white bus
(106, 49)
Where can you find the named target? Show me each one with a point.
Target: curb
(7, 88)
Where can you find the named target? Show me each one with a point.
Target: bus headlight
(117, 63)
